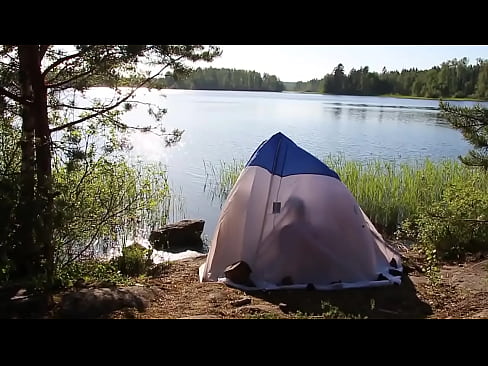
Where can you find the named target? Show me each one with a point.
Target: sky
(306, 62)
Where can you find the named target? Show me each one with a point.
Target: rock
(20, 295)
(284, 307)
(241, 302)
(238, 273)
(179, 236)
(94, 302)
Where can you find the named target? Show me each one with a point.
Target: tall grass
(220, 179)
(387, 191)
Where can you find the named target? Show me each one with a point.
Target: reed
(391, 191)
(388, 191)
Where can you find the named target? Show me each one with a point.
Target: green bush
(456, 224)
(90, 271)
(135, 260)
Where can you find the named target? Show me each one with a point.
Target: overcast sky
(305, 62)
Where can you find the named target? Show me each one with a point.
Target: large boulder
(95, 302)
(179, 236)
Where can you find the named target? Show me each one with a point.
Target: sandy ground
(462, 293)
(177, 293)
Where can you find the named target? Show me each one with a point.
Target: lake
(223, 126)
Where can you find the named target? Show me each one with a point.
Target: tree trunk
(35, 215)
(44, 226)
(44, 230)
(26, 255)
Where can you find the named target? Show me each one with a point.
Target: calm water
(222, 126)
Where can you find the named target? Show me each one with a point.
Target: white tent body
(289, 215)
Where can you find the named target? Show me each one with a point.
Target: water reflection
(337, 112)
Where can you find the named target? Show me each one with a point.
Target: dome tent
(292, 221)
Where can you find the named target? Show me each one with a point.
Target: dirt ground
(177, 293)
(462, 293)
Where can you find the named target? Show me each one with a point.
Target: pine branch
(105, 110)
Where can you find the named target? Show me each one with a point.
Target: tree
(482, 84)
(32, 79)
(473, 124)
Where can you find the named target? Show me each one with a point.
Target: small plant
(333, 312)
(372, 304)
(135, 260)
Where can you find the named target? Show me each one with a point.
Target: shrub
(456, 224)
(135, 260)
(89, 271)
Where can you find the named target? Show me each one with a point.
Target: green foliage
(330, 311)
(452, 79)
(40, 84)
(388, 192)
(314, 85)
(134, 261)
(220, 79)
(210, 79)
(454, 225)
(9, 191)
(473, 124)
(104, 203)
(90, 272)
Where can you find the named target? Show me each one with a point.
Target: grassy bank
(388, 192)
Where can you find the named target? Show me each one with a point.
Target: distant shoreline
(413, 97)
(399, 96)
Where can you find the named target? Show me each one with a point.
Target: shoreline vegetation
(395, 96)
(425, 98)
(455, 80)
(420, 205)
(389, 192)
(61, 206)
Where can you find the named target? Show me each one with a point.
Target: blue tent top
(281, 156)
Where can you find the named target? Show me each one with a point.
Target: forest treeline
(216, 79)
(452, 79)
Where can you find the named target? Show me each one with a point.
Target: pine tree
(473, 124)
